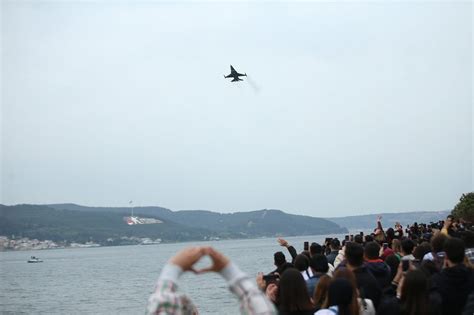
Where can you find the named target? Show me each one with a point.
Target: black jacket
(368, 285)
(332, 256)
(381, 272)
(454, 285)
(282, 268)
(390, 305)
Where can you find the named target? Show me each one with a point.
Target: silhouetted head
(319, 263)
(437, 242)
(407, 246)
(315, 248)
(392, 261)
(279, 259)
(369, 238)
(421, 250)
(358, 239)
(301, 262)
(354, 254)
(390, 233)
(454, 248)
(372, 250)
(335, 244)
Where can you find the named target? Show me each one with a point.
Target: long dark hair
(340, 294)
(320, 295)
(414, 298)
(293, 294)
(349, 275)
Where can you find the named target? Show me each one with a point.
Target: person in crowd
(335, 246)
(368, 238)
(392, 261)
(366, 282)
(429, 267)
(398, 230)
(359, 239)
(321, 292)
(316, 249)
(339, 298)
(302, 264)
(280, 263)
(344, 273)
(412, 295)
(437, 254)
(407, 249)
(421, 250)
(389, 235)
(340, 259)
(468, 238)
(449, 227)
(397, 248)
(469, 307)
(386, 251)
(455, 281)
(166, 300)
(377, 266)
(379, 234)
(290, 248)
(319, 266)
(293, 296)
(359, 305)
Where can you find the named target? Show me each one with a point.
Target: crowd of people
(422, 269)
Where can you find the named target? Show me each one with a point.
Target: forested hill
(252, 223)
(77, 223)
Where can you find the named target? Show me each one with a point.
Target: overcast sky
(348, 108)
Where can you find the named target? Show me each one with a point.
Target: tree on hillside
(465, 207)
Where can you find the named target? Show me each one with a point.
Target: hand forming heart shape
(187, 257)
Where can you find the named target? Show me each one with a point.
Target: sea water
(119, 280)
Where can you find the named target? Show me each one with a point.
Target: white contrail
(253, 84)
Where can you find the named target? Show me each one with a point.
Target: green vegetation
(73, 223)
(42, 222)
(465, 207)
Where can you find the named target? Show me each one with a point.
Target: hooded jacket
(367, 285)
(380, 270)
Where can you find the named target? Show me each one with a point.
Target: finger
(271, 286)
(204, 270)
(215, 255)
(197, 253)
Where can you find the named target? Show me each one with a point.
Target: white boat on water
(34, 259)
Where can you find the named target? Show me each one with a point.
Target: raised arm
(379, 223)
(165, 299)
(290, 248)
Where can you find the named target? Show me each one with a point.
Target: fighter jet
(234, 74)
